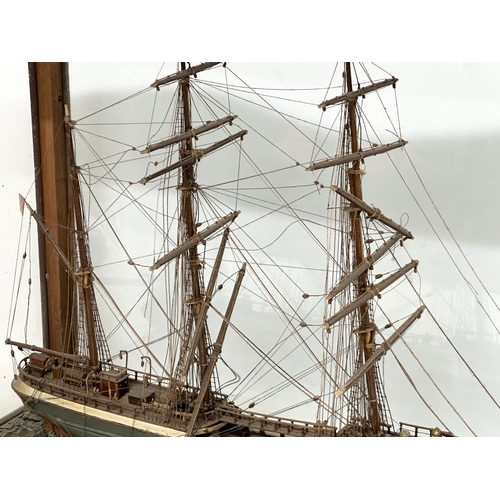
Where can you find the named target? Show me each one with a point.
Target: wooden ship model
(82, 387)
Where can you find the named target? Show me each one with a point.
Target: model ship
(206, 284)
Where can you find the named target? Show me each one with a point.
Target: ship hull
(80, 420)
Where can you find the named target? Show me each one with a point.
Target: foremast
(91, 338)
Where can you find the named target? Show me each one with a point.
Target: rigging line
(449, 339)
(227, 90)
(306, 347)
(162, 212)
(382, 69)
(259, 174)
(462, 358)
(20, 268)
(236, 375)
(279, 209)
(280, 370)
(237, 189)
(125, 187)
(120, 324)
(82, 131)
(102, 163)
(260, 201)
(407, 375)
(129, 258)
(328, 131)
(457, 316)
(454, 240)
(143, 209)
(321, 118)
(277, 346)
(385, 109)
(397, 112)
(125, 261)
(248, 290)
(114, 179)
(280, 89)
(285, 116)
(250, 256)
(172, 123)
(292, 210)
(293, 407)
(159, 71)
(132, 201)
(444, 246)
(428, 375)
(266, 394)
(441, 241)
(123, 123)
(153, 107)
(205, 100)
(132, 96)
(28, 300)
(101, 284)
(97, 162)
(238, 177)
(241, 89)
(363, 118)
(121, 321)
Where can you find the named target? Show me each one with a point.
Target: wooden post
(48, 82)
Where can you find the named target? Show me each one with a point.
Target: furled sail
(380, 351)
(371, 292)
(190, 134)
(357, 156)
(363, 267)
(193, 157)
(350, 96)
(192, 71)
(194, 240)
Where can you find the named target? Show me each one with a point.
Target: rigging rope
(429, 377)
(456, 265)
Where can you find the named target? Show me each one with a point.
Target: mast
(85, 273)
(187, 189)
(366, 331)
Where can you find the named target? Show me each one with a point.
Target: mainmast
(366, 331)
(187, 218)
(194, 356)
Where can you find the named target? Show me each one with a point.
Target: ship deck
(150, 403)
